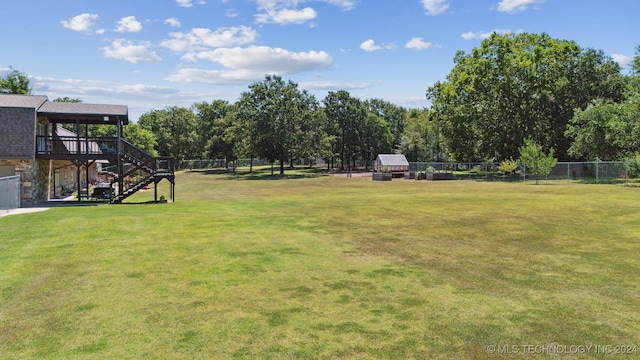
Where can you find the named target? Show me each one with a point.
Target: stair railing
(142, 162)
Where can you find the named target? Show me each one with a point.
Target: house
(396, 164)
(51, 159)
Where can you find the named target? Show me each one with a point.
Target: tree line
(515, 88)
(276, 121)
(511, 91)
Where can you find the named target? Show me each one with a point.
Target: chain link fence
(220, 163)
(10, 193)
(587, 172)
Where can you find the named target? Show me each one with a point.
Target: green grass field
(306, 266)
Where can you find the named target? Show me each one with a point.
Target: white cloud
(287, 16)
(370, 45)
(140, 98)
(83, 88)
(189, 3)
(344, 4)
(418, 43)
(435, 7)
(265, 59)
(82, 22)
(512, 6)
(330, 85)
(286, 11)
(486, 34)
(201, 38)
(280, 4)
(128, 24)
(622, 60)
(231, 13)
(173, 22)
(131, 52)
(412, 102)
(215, 77)
(5, 71)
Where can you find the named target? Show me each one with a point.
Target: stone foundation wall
(39, 181)
(35, 175)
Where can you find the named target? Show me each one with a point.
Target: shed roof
(393, 160)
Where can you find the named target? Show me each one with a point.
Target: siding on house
(18, 125)
(17, 132)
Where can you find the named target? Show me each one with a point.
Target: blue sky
(152, 54)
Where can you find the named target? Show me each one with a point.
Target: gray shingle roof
(83, 109)
(66, 110)
(22, 101)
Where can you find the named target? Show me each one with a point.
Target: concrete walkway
(24, 210)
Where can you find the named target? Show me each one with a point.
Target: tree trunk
(281, 167)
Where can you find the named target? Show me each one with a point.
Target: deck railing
(63, 145)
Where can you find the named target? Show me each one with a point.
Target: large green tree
(421, 140)
(395, 116)
(276, 113)
(140, 137)
(346, 116)
(635, 66)
(516, 87)
(375, 138)
(609, 130)
(214, 121)
(15, 83)
(67, 99)
(605, 131)
(175, 129)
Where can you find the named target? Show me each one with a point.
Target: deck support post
(119, 156)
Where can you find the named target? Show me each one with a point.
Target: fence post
(626, 173)
(3, 196)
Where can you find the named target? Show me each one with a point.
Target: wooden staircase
(142, 169)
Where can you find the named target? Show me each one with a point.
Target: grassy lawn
(305, 266)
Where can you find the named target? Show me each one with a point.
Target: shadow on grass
(263, 173)
(60, 203)
(145, 202)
